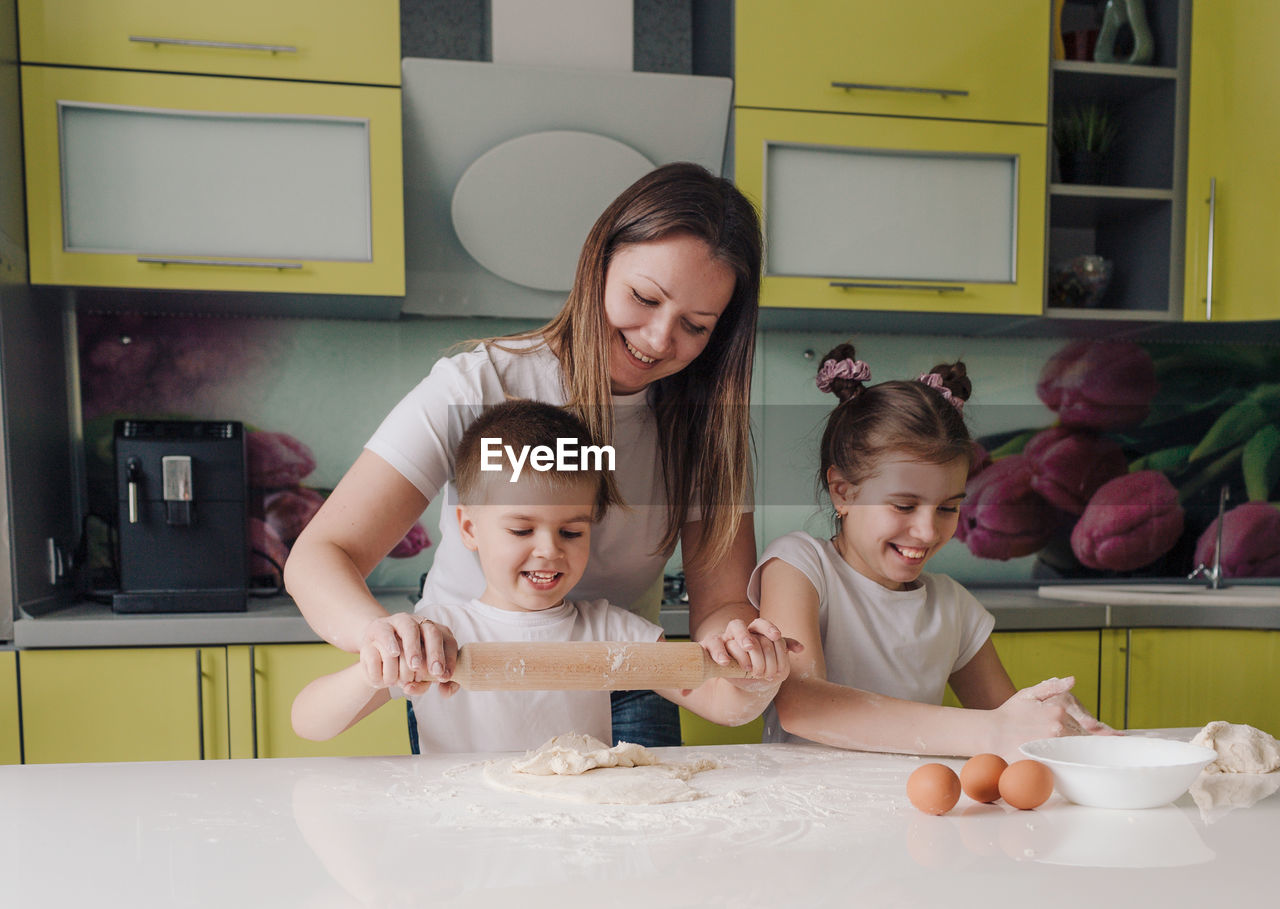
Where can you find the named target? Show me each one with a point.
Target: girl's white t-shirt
(519, 720)
(900, 643)
(418, 438)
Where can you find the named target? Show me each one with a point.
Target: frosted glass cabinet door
(205, 183)
(896, 214)
(282, 187)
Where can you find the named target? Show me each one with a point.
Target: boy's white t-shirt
(419, 436)
(520, 720)
(900, 643)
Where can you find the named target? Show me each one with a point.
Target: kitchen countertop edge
(276, 620)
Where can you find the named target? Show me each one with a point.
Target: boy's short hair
(526, 425)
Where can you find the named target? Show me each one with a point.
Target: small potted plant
(1083, 134)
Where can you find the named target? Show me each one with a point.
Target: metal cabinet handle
(914, 89)
(1208, 281)
(872, 285)
(200, 702)
(253, 697)
(221, 45)
(219, 263)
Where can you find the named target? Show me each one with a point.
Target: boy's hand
(759, 648)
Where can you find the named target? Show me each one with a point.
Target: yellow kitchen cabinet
(327, 40)
(10, 731)
(264, 680)
(1233, 185)
(977, 60)
(694, 730)
(1033, 656)
(896, 214)
(132, 704)
(1193, 676)
(178, 182)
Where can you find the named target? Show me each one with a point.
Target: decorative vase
(1119, 13)
(1080, 167)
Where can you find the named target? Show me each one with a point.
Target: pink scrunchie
(933, 380)
(856, 370)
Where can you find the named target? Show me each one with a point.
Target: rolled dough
(581, 768)
(1241, 748)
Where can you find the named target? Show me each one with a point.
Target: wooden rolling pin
(586, 665)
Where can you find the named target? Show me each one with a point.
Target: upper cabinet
(1117, 191)
(1233, 185)
(177, 181)
(977, 60)
(322, 40)
(897, 152)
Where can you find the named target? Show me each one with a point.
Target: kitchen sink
(1164, 594)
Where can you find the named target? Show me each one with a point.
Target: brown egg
(1026, 784)
(980, 777)
(933, 788)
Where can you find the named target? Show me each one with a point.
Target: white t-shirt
(520, 720)
(901, 643)
(419, 436)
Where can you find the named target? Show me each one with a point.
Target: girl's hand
(759, 648)
(406, 650)
(1038, 712)
(1089, 723)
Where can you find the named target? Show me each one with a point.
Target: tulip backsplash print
(1126, 480)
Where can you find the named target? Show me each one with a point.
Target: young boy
(530, 525)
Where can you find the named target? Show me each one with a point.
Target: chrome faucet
(1214, 573)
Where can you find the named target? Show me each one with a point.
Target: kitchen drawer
(982, 59)
(179, 182)
(325, 40)
(897, 214)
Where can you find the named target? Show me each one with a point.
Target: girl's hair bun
(955, 379)
(842, 374)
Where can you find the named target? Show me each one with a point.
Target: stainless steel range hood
(555, 142)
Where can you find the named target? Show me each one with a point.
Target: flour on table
(581, 768)
(1241, 748)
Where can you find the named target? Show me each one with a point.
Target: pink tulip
(277, 459)
(1001, 516)
(1068, 466)
(979, 462)
(412, 543)
(266, 547)
(1250, 542)
(1130, 522)
(1099, 384)
(289, 510)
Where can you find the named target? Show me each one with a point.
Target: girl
(653, 351)
(881, 639)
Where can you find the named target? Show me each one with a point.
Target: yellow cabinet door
(1233, 184)
(896, 214)
(328, 40)
(1033, 656)
(178, 182)
(10, 733)
(265, 679)
(1193, 676)
(977, 60)
(136, 704)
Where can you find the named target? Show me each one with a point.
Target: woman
(653, 350)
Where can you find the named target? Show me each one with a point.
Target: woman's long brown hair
(702, 411)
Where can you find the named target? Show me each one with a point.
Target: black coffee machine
(181, 491)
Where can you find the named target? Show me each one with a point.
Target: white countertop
(779, 826)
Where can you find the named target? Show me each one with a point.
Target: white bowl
(1120, 771)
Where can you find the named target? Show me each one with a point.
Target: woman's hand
(410, 651)
(759, 648)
